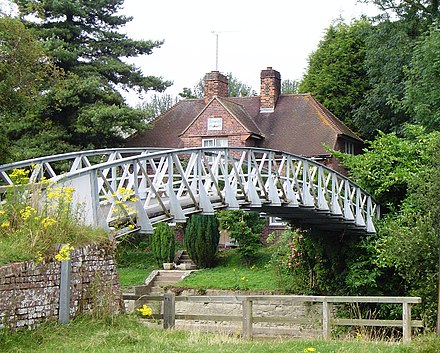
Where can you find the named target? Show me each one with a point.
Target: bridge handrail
(162, 153)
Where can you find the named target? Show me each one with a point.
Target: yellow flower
(64, 253)
(27, 212)
(19, 176)
(47, 222)
(5, 224)
(2, 212)
(309, 349)
(131, 226)
(145, 310)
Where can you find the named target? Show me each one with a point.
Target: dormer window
(215, 123)
(348, 147)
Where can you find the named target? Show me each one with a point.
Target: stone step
(162, 283)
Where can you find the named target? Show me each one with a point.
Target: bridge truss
(136, 188)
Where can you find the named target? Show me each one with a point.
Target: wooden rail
(169, 316)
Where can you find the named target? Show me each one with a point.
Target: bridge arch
(141, 186)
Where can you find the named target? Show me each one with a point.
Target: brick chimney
(216, 84)
(270, 89)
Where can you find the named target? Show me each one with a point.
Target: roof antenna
(216, 45)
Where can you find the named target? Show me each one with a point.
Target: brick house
(295, 123)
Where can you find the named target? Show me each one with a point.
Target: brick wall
(29, 291)
(231, 129)
(216, 84)
(270, 88)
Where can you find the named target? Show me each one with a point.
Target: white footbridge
(131, 189)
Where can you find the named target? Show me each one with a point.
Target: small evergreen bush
(163, 244)
(201, 239)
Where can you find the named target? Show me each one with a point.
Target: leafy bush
(201, 239)
(246, 228)
(163, 244)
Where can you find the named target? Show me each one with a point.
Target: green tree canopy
(25, 70)
(422, 90)
(86, 108)
(336, 74)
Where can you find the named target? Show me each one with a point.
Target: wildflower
(243, 278)
(2, 212)
(19, 176)
(5, 224)
(27, 212)
(64, 253)
(47, 222)
(145, 310)
(309, 349)
(131, 226)
(39, 257)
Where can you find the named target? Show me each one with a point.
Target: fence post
(169, 310)
(64, 299)
(247, 318)
(406, 322)
(326, 327)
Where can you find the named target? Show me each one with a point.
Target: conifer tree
(201, 239)
(86, 108)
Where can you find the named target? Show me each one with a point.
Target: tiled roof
(166, 128)
(236, 109)
(299, 124)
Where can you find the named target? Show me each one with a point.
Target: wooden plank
(288, 298)
(406, 318)
(326, 324)
(287, 320)
(169, 310)
(372, 322)
(209, 317)
(247, 319)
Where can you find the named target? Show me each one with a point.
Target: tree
(409, 9)
(25, 70)
(245, 228)
(336, 75)
(86, 109)
(422, 88)
(163, 244)
(289, 87)
(157, 105)
(389, 50)
(404, 169)
(201, 239)
(236, 88)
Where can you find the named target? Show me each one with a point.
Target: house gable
(220, 120)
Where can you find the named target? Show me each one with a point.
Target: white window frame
(216, 142)
(349, 147)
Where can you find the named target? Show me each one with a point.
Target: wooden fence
(327, 321)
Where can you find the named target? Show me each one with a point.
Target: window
(215, 123)
(276, 222)
(348, 147)
(222, 142)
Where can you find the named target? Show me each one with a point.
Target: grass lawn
(134, 260)
(230, 273)
(126, 334)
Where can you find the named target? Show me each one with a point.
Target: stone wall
(268, 308)
(29, 291)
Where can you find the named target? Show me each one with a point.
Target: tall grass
(35, 218)
(127, 334)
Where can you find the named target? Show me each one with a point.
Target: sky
(252, 35)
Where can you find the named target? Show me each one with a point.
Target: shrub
(163, 244)
(246, 228)
(201, 239)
